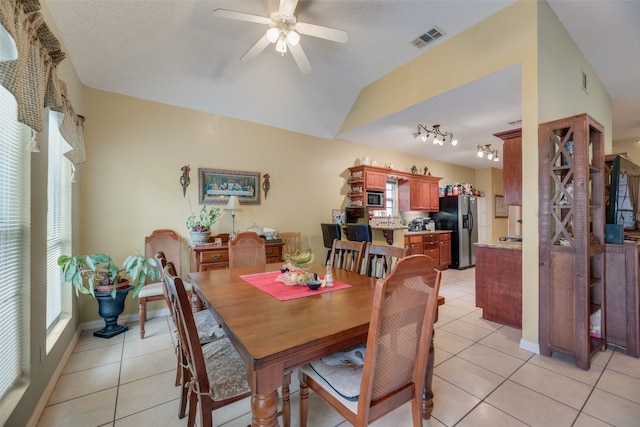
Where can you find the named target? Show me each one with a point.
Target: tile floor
(482, 378)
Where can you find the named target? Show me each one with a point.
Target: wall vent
(585, 82)
(515, 123)
(428, 37)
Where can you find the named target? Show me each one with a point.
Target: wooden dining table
(275, 337)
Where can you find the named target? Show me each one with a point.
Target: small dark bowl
(314, 285)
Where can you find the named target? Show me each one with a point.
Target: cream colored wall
(499, 226)
(630, 146)
(135, 149)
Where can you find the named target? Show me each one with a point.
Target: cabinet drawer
(415, 239)
(433, 253)
(214, 256)
(444, 236)
(430, 245)
(214, 266)
(274, 253)
(428, 238)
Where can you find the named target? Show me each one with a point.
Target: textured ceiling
(179, 53)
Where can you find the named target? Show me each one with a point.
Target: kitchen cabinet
(419, 193)
(511, 166)
(572, 239)
(435, 245)
(375, 180)
(363, 179)
(208, 256)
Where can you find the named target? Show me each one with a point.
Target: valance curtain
(32, 77)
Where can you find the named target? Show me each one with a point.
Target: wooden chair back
(292, 241)
(200, 392)
(166, 241)
(400, 330)
(379, 260)
(246, 249)
(347, 255)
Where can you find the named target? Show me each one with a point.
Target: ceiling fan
(284, 30)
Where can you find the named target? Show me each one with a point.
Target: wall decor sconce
(488, 152)
(185, 180)
(439, 137)
(266, 185)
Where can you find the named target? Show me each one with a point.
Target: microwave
(375, 199)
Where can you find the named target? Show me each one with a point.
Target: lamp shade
(233, 204)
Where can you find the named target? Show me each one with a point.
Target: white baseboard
(533, 347)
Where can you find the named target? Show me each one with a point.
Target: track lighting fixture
(488, 152)
(439, 137)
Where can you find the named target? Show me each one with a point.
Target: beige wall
(135, 149)
(630, 146)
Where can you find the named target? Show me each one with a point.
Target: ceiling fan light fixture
(281, 45)
(293, 38)
(273, 34)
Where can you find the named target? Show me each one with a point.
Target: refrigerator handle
(470, 221)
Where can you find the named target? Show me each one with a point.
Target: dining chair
(330, 232)
(379, 260)
(363, 385)
(246, 249)
(292, 241)
(167, 241)
(347, 255)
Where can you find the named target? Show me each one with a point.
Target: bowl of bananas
(300, 260)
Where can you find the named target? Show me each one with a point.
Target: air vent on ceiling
(428, 37)
(515, 123)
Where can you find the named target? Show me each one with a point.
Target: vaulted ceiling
(180, 53)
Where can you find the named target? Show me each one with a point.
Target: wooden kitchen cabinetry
(571, 230)
(363, 179)
(419, 193)
(435, 245)
(214, 257)
(511, 166)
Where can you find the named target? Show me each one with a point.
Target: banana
(302, 260)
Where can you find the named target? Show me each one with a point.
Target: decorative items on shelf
(414, 169)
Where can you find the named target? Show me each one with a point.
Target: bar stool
(329, 233)
(359, 232)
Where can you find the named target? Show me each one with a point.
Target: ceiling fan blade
(258, 47)
(322, 32)
(287, 7)
(300, 58)
(241, 16)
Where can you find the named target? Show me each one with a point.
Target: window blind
(58, 214)
(14, 240)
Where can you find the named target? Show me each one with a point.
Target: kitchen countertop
(498, 244)
(413, 233)
(389, 227)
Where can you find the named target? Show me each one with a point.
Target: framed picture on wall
(215, 186)
(500, 209)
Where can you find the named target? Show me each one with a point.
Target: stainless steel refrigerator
(459, 214)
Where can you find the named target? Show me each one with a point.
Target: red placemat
(266, 282)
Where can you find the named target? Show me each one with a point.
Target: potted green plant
(199, 226)
(98, 275)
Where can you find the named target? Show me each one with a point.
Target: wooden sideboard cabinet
(622, 300)
(435, 245)
(213, 257)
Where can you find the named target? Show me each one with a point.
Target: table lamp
(233, 205)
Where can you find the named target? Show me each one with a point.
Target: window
(390, 197)
(58, 215)
(15, 224)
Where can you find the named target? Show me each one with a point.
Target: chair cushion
(225, 368)
(151, 290)
(208, 329)
(342, 371)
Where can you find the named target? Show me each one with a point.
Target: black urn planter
(109, 309)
